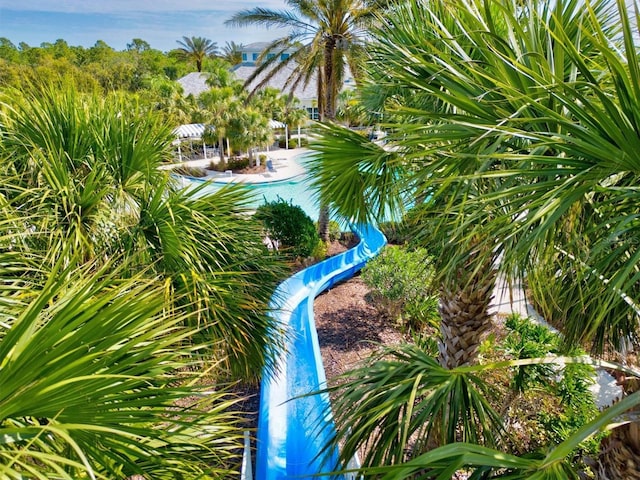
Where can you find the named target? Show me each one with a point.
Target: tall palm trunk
(327, 112)
(464, 309)
(330, 80)
(221, 147)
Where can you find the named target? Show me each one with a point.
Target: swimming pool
(295, 190)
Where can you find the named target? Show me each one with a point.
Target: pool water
(296, 191)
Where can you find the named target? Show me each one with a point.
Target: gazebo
(191, 131)
(195, 131)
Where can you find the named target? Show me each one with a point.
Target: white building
(195, 83)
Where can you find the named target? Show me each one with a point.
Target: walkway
(283, 162)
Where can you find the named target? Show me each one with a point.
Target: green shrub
(237, 163)
(293, 142)
(233, 163)
(401, 282)
(290, 226)
(568, 384)
(320, 251)
(334, 231)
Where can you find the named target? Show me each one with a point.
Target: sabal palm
(219, 105)
(521, 110)
(325, 37)
(94, 368)
(197, 49)
(92, 165)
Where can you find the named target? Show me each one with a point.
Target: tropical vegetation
(129, 303)
(324, 40)
(288, 228)
(512, 132)
(196, 49)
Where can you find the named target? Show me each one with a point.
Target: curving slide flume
(293, 429)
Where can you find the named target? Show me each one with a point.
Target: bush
(335, 231)
(290, 226)
(401, 282)
(573, 404)
(293, 142)
(234, 163)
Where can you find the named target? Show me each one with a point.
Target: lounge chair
(270, 167)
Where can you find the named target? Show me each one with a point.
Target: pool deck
(283, 163)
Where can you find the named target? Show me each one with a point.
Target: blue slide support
(292, 429)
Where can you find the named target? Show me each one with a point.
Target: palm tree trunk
(323, 223)
(327, 110)
(620, 451)
(221, 148)
(330, 87)
(464, 309)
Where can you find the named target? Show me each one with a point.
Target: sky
(159, 22)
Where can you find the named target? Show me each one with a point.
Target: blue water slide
(292, 429)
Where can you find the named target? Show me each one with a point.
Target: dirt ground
(349, 327)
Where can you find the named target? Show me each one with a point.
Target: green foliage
(569, 383)
(282, 143)
(529, 340)
(93, 368)
(404, 395)
(99, 66)
(320, 251)
(402, 283)
(289, 225)
(397, 233)
(81, 173)
(187, 171)
(233, 163)
(335, 231)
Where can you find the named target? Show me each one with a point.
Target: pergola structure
(195, 131)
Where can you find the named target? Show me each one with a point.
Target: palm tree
(232, 52)
(220, 105)
(197, 49)
(292, 114)
(248, 129)
(518, 123)
(91, 164)
(324, 38)
(93, 368)
(219, 74)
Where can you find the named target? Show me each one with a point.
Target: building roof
(194, 83)
(244, 71)
(256, 46)
(191, 130)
